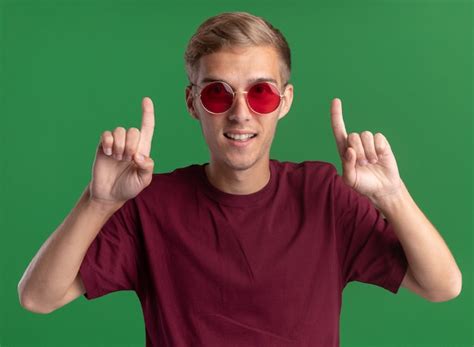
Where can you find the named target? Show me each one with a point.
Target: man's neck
(240, 182)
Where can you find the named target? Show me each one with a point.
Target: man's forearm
(55, 266)
(429, 258)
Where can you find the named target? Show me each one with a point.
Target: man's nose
(240, 110)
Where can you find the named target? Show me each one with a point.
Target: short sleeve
(369, 250)
(111, 261)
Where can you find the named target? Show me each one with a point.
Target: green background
(71, 69)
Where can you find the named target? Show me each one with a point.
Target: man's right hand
(118, 174)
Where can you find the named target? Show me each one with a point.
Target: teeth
(239, 136)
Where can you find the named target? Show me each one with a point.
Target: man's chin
(240, 164)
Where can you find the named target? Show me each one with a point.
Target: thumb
(145, 164)
(348, 166)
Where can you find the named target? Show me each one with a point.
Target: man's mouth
(240, 137)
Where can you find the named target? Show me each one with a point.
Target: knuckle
(366, 134)
(354, 139)
(380, 135)
(353, 136)
(132, 139)
(107, 136)
(119, 130)
(379, 147)
(108, 141)
(132, 134)
(118, 146)
(129, 149)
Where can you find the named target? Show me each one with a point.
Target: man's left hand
(368, 163)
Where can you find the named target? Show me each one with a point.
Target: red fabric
(264, 269)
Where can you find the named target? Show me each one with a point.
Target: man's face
(239, 67)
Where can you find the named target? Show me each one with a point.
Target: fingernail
(128, 158)
(119, 157)
(139, 157)
(108, 151)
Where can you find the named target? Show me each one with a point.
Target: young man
(244, 250)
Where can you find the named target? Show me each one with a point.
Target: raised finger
(131, 143)
(148, 126)
(369, 147)
(338, 126)
(119, 142)
(355, 142)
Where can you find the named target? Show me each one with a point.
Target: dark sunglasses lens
(216, 97)
(264, 98)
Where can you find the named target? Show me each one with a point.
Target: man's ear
(190, 102)
(286, 101)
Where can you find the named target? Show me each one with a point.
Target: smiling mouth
(240, 138)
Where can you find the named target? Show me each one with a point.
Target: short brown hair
(235, 29)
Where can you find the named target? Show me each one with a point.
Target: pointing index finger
(338, 127)
(148, 126)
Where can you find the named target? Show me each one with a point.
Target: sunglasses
(218, 97)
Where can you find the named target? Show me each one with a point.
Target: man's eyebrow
(250, 81)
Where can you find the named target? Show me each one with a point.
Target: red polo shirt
(264, 269)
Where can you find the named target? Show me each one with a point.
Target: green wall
(71, 69)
